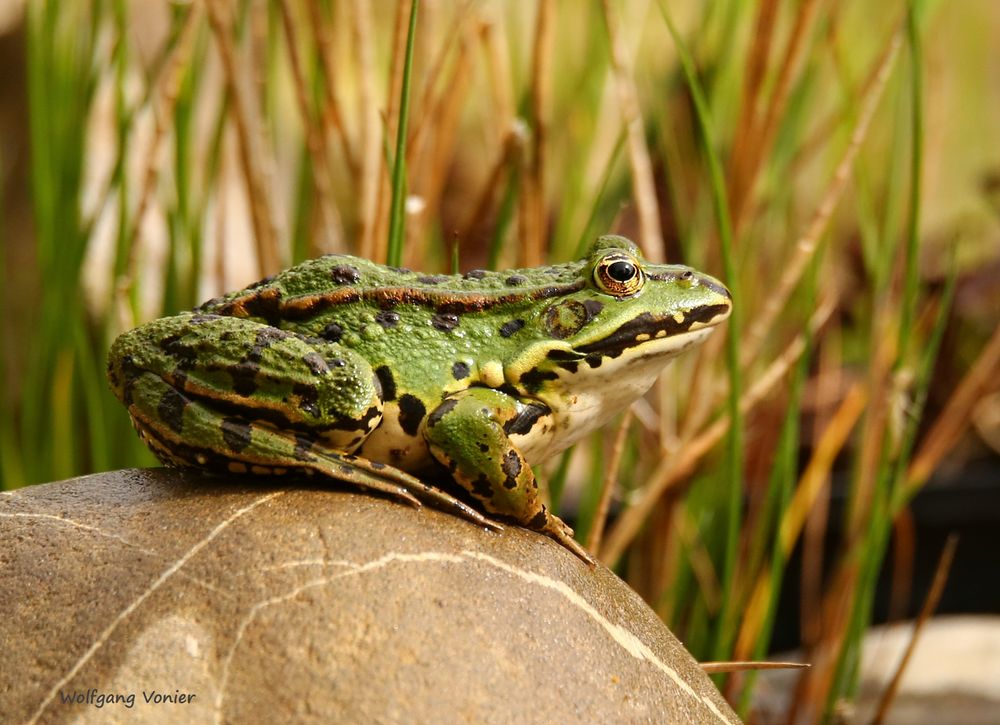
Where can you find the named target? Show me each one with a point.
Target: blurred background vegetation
(834, 163)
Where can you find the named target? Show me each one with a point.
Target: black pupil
(621, 271)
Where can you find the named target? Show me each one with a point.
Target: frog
(438, 389)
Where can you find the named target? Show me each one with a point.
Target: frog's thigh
(257, 372)
(466, 434)
(185, 431)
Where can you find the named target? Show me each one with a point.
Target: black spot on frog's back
(332, 332)
(244, 377)
(432, 279)
(387, 318)
(460, 370)
(202, 319)
(345, 274)
(176, 348)
(264, 338)
(510, 327)
(411, 413)
(316, 364)
(445, 321)
(481, 488)
(441, 411)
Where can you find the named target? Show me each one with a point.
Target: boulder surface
(168, 596)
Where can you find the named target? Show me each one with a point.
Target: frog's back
(317, 285)
(429, 330)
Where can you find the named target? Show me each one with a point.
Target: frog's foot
(362, 472)
(345, 468)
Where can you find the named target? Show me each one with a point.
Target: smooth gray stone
(274, 604)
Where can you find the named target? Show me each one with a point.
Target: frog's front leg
(466, 433)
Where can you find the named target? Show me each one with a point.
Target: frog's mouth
(647, 327)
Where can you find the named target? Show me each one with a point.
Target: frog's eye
(618, 274)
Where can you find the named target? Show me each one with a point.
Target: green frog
(388, 379)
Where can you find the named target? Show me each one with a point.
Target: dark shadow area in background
(968, 506)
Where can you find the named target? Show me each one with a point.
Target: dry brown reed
(643, 188)
(328, 234)
(245, 114)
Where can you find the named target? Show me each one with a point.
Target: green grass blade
(11, 474)
(397, 220)
(734, 447)
(89, 380)
(911, 276)
(925, 369)
(505, 217)
(61, 81)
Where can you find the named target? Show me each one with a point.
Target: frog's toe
(557, 529)
(447, 502)
(406, 487)
(492, 525)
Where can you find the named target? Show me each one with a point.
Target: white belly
(389, 443)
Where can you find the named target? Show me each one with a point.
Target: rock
(236, 602)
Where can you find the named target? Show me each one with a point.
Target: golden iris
(618, 274)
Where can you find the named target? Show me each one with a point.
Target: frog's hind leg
(205, 439)
(315, 459)
(355, 469)
(235, 445)
(285, 453)
(231, 394)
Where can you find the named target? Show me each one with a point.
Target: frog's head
(624, 322)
